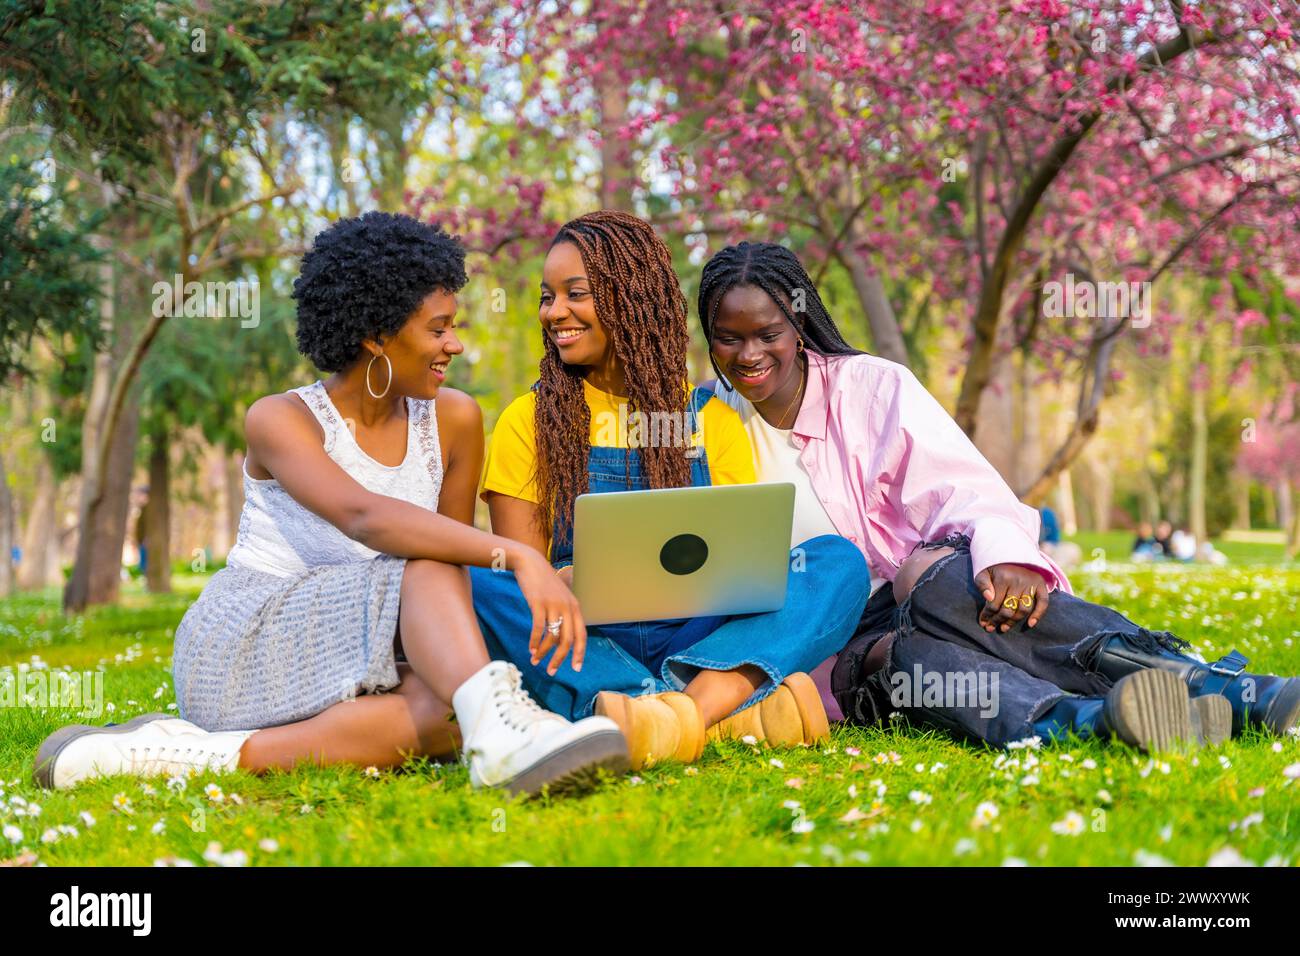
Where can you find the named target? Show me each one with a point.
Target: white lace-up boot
(146, 746)
(511, 742)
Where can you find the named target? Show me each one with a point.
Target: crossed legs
(414, 719)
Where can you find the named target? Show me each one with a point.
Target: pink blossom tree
(986, 150)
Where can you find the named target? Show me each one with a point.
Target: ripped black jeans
(945, 670)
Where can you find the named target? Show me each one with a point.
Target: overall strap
(695, 406)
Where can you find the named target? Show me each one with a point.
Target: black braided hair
(778, 272)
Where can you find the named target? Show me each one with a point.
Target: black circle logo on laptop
(684, 554)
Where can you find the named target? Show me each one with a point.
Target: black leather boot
(1262, 700)
(1148, 709)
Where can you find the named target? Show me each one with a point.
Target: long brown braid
(641, 306)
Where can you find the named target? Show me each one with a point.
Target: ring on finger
(553, 627)
(1011, 603)
(1026, 601)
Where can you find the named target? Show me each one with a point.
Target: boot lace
(513, 704)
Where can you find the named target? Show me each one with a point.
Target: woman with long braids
(615, 335)
(972, 604)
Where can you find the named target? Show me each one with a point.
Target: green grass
(734, 808)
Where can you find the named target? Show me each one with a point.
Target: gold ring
(1026, 601)
(1010, 603)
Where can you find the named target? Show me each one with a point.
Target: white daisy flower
(1071, 825)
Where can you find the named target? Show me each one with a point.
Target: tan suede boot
(658, 727)
(792, 714)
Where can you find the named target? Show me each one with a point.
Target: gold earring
(369, 387)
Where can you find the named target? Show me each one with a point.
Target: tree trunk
(1065, 500)
(1087, 415)
(1196, 478)
(1101, 488)
(157, 523)
(1241, 485)
(41, 534)
(1029, 455)
(886, 337)
(1270, 507)
(615, 170)
(234, 478)
(997, 435)
(108, 520)
(76, 593)
(218, 540)
(1286, 515)
(988, 309)
(1293, 537)
(6, 531)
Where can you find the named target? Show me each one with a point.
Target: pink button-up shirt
(893, 470)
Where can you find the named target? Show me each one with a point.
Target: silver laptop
(682, 552)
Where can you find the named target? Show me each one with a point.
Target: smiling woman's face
(567, 310)
(422, 349)
(753, 343)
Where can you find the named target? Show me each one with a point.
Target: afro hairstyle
(364, 277)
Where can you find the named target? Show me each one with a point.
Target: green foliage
(205, 372)
(1223, 442)
(45, 287)
(122, 74)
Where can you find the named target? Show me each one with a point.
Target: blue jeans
(937, 635)
(826, 592)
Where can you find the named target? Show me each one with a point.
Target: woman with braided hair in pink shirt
(977, 631)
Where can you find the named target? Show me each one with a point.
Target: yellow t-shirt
(512, 453)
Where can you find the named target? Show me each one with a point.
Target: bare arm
(515, 518)
(283, 437)
(460, 429)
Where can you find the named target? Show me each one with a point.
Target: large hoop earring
(798, 346)
(390, 376)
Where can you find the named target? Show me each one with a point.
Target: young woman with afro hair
(350, 557)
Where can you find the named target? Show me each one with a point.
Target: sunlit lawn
(881, 796)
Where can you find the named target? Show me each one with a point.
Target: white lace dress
(302, 616)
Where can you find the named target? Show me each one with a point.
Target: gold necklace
(803, 371)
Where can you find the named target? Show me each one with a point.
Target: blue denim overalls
(826, 592)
